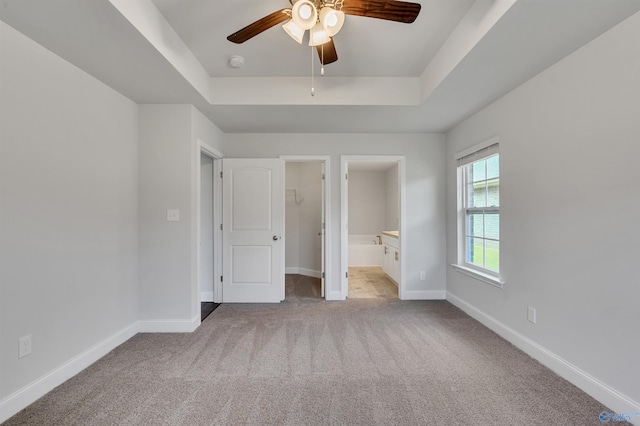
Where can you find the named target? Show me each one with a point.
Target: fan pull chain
(322, 55)
(313, 90)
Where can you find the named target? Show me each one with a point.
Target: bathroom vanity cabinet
(391, 260)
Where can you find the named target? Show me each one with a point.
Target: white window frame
(476, 153)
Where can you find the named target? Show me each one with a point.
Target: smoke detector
(236, 61)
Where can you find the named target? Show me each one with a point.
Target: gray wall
(569, 145)
(303, 219)
(392, 204)
(68, 227)
(165, 183)
(425, 182)
(310, 185)
(168, 159)
(86, 176)
(367, 202)
(291, 217)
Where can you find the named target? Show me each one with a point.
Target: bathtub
(364, 250)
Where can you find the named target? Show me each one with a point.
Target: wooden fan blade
(398, 11)
(327, 52)
(259, 26)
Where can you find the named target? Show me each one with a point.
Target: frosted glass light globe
(305, 11)
(332, 19)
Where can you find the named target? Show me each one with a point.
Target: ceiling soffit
(330, 90)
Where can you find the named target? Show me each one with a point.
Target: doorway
(252, 228)
(372, 221)
(208, 235)
(206, 228)
(306, 216)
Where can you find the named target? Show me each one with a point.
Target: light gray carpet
(307, 361)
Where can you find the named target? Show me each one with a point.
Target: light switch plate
(25, 346)
(173, 215)
(531, 314)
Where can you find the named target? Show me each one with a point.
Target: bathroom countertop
(391, 233)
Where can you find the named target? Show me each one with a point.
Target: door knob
(275, 238)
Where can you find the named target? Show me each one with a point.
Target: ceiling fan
(324, 18)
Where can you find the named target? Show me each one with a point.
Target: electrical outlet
(173, 215)
(423, 275)
(25, 346)
(531, 314)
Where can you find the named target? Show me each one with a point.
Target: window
(482, 213)
(479, 209)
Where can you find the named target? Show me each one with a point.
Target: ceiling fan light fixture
(331, 20)
(294, 31)
(304, 14)
(318, 35)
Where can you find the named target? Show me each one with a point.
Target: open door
(253, 248)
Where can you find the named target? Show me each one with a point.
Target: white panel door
(253, 207)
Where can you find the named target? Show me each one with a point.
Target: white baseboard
(206, 296)
(303, 271)
(169, 326)
(20, 399)
(600, 391)
(333, 295)
(310, 273)
(424, 295)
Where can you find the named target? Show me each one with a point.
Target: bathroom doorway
(306, 212)
(372, 222)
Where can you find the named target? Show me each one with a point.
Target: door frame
(209, 151)
(344, 216)
(326, 160)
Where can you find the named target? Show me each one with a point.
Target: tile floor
(370, 282)
(365, 282)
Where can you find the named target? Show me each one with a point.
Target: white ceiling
(459, 56)
(365, 46)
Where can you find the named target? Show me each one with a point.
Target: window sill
(486, 278)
